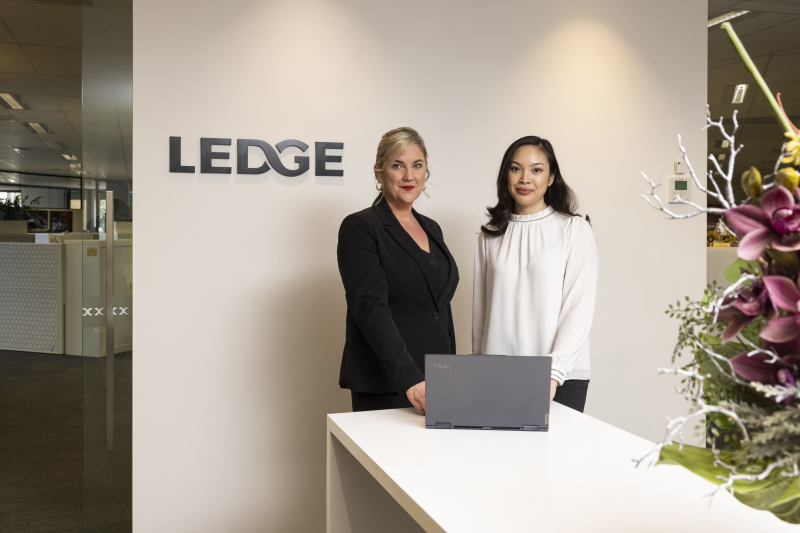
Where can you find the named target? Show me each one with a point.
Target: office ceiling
(70, 63)
(771, 34)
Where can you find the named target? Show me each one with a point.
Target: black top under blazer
(393, 316)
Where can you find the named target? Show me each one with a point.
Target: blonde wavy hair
(392, 143)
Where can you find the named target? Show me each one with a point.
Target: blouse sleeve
(479, 295)
(367, 294)
(578, 298)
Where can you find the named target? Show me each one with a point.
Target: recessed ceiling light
(721, 157)
(725, 144)
(55, 145)
(11, 100)
(69, 157)
(37, 127)
(726, 17)
(738, 94)
(74, 165)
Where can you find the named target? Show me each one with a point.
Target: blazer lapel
(452, 277)
(405, 240)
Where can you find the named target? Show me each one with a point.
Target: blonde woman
(399, 278)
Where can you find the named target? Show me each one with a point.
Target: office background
(240, 310)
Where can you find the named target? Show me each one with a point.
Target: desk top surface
(579, 476)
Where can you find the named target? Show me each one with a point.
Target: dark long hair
(558, 195)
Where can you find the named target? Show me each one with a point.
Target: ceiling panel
(40, 102)
(98, 119)
(775, 38)
(98, 88)
(26, 115)
(96, 134)
(99, 105)
(74, 118)
(95, 64)
(735, 73)
(64, 85)
(124, 106)
(22, 83)
(69, 104)
(20, 140)
(43, 24)
(121, 64)
(55, 61)
(13, 59)
(5, 34)
(60, 129)
(761, 21)
(119, 29)
(123, 89)
(784, 68)
(773, 6)
(94, 35)
(789, 90)
(13, 127)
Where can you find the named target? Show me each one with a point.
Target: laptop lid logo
(441, 366)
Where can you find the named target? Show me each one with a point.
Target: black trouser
(573, 393)
(375, 401)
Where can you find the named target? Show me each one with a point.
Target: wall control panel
(679, 188)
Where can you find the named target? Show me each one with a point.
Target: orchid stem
(748, 62)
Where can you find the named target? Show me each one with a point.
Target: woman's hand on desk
(416, 395)
(553, 385)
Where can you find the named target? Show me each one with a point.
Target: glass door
(106, 258)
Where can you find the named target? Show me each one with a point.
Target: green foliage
(734, 272)
(693, 319)
(776, 493)
(773, 428)
(18, 208)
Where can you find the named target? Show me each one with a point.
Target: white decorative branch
(736, 476)
(675, 425)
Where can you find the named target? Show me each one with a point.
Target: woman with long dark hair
(536, 271)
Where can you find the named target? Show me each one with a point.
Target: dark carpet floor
(55, 472)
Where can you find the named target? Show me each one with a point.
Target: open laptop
(487, 392)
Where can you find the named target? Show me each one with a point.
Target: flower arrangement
(744, 376)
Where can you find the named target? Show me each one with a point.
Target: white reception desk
(387, 473)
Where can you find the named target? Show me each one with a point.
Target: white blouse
(534, 291)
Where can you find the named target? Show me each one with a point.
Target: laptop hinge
(443, 425)
(530, 428)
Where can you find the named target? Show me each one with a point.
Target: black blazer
(393, 317)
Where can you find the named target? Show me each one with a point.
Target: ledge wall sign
(321, 158)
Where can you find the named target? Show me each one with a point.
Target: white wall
(239, 307)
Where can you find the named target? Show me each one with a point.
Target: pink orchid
(768, 225)
(747, 306)
(761, 368)
(785, 294)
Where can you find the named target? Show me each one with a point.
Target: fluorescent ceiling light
(11, 101)
(37, 127)
(738, 94)
(74, 165)
(726, 144)
(726, 17)
(69, 157)
(55, 145)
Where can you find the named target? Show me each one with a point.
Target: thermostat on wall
(679, 188)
